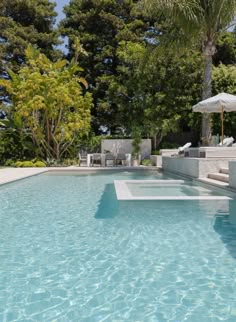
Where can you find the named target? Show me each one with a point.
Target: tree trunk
(154, 140)
(208, 51)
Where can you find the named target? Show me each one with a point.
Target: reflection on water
(188, 188)
(108, 204)
(223, 212)
(71, 252)
(225, 226)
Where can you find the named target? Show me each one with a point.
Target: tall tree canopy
(101, 25)
(24, 22)
(155, 90)
(200, 22)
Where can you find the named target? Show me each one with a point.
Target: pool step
(219, 177)
(216, 183)
(224, 170)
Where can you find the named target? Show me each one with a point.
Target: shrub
(24, 164)
(9, 163)
(39, 164)
(156, 152)
(69, 162)
(146, 162)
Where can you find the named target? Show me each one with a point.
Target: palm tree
(200, 21)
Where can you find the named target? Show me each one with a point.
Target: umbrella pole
(222, 125)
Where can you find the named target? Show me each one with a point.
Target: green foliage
(27, 164)
(25, 22)
(136, 83)
(226, 49)
(24, 164)
(91, 143)
(199, 24)
(51, 103)
(15, 141)
(136, 134)
(39, 164)
(69, 162)
(198, 21)
(155, 152)
(156, 90)
(9, 163)
(101, 26)
(147, 162)
(224, 80)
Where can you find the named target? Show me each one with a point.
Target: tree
(224, 80)
(24, 22)
(15, 141)
(101, 25)
(225, 49)
(198, 21)
(155, 90)
(50, 100)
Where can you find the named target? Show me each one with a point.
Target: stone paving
(12, 174)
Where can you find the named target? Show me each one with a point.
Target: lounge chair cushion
(186, 146)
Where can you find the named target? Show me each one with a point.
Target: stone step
(219, 176)
(216, 183)
(224, 170)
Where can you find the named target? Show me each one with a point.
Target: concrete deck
(13, 174)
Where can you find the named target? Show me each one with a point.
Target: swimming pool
(70, 251)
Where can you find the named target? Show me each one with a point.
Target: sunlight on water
(69, 251)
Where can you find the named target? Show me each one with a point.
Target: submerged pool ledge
(123, 191)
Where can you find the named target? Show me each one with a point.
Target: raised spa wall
(232, 174)
(194, 167)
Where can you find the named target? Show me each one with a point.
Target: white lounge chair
(227, 142)
(183, 148)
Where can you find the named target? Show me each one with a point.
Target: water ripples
(70, 252)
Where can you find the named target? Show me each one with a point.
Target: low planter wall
(156, 160)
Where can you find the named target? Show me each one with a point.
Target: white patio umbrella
(217, 104)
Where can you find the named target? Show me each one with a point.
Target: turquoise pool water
(69, 251)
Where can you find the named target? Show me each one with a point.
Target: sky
(59, 8)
